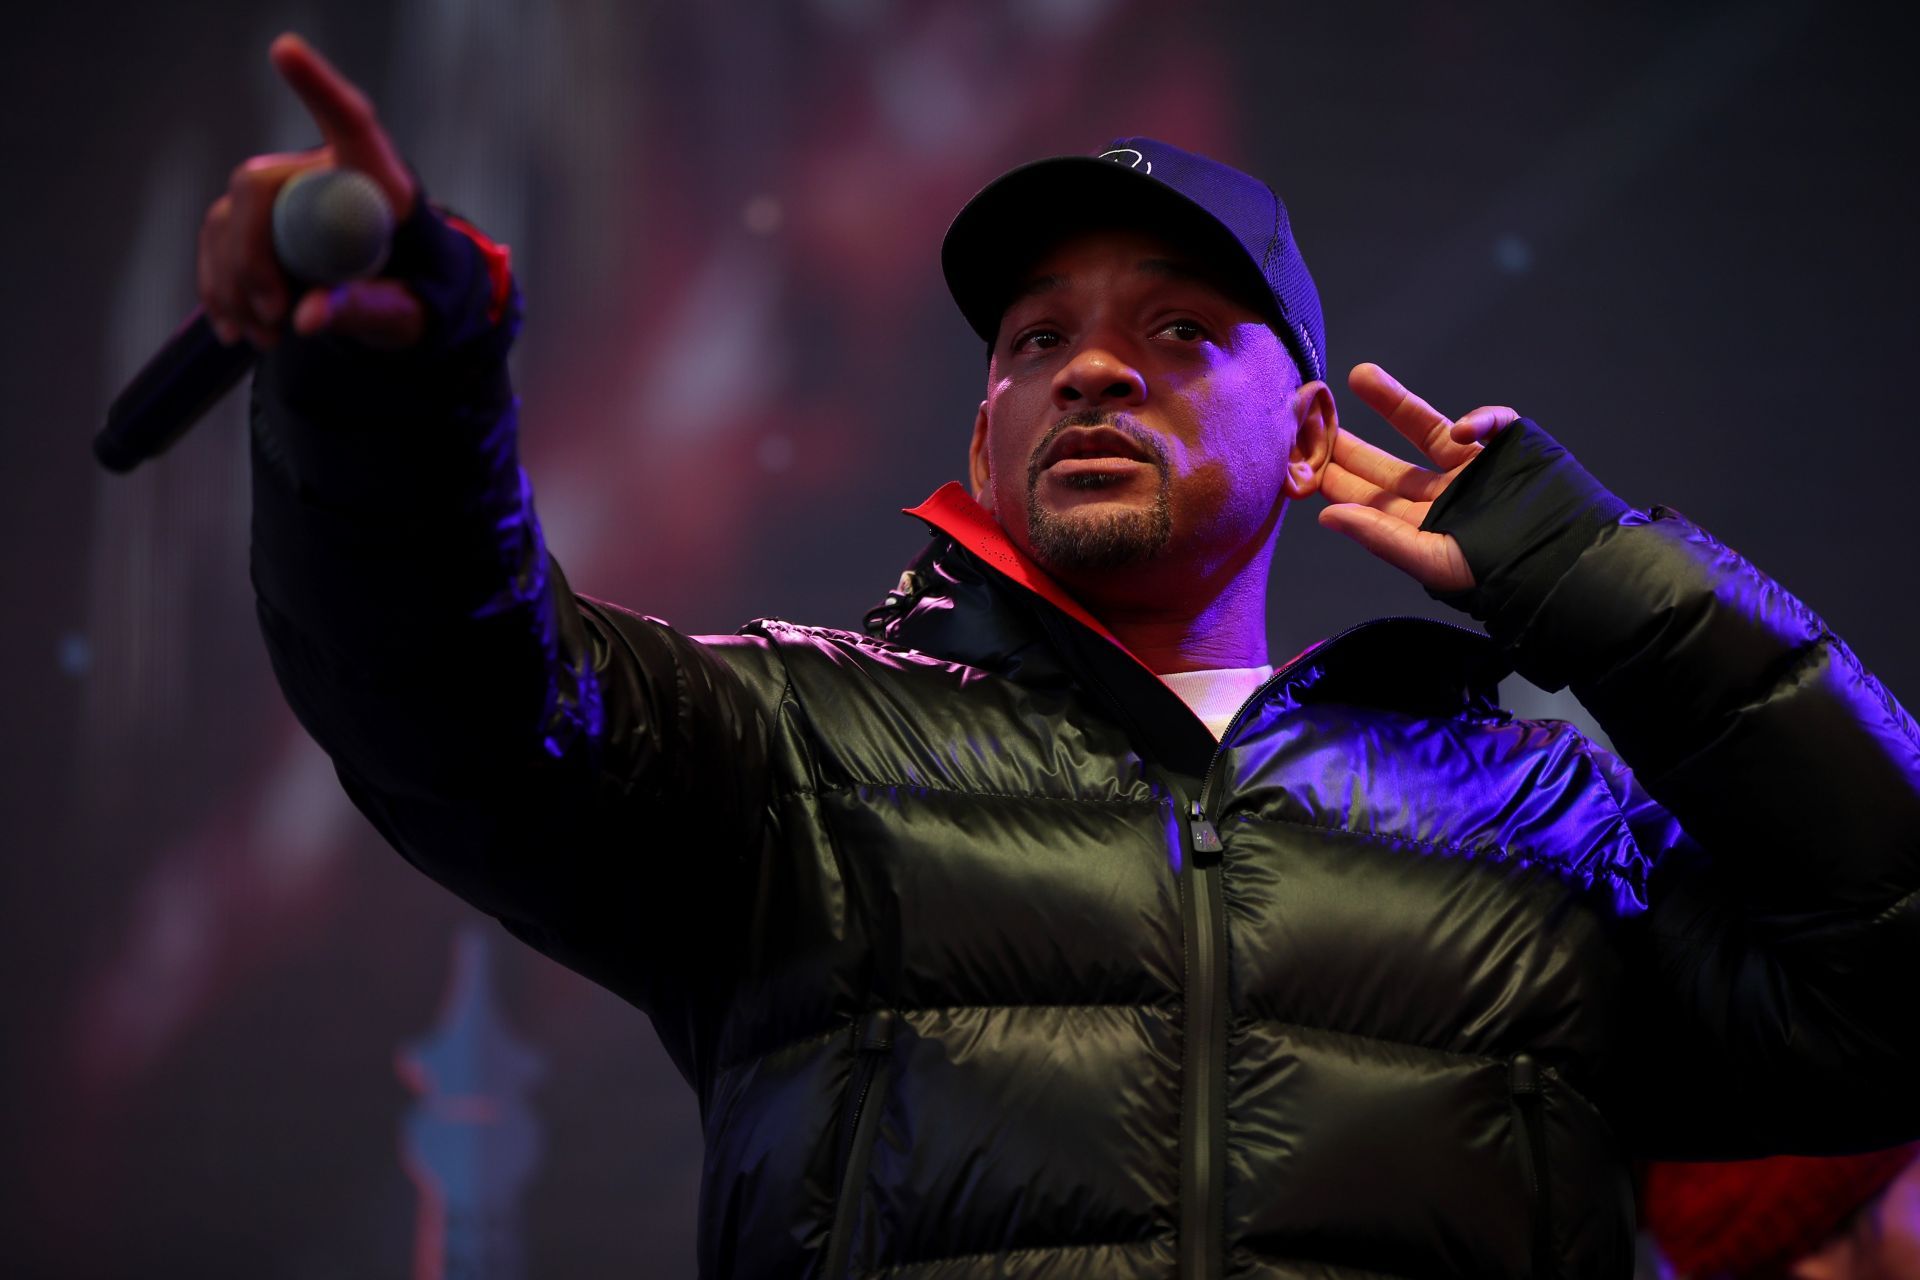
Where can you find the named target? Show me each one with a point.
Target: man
(1046, 930)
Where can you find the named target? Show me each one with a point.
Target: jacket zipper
(873, 1054)
(1202, 1215)
(1202, 1207)
(1524, 1082)
(1200, 818)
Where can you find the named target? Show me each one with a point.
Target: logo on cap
(1128, 157)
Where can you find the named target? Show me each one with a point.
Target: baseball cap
(1233, 218)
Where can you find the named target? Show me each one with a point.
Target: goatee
(1095, 540)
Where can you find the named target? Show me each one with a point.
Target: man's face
(1136, 418)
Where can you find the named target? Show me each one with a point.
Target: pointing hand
(242, 287)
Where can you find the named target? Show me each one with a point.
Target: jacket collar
(952, 510)
(972, 596)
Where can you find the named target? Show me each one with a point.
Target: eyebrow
(1035, 286)
(1165, 268)
(1174, 269)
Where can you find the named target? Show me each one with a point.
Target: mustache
(1124, 423)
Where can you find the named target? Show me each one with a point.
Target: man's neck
(1230, 630)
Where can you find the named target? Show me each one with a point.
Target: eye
(1184, 330)
(1036, 340)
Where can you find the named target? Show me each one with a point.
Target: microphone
(329, 226)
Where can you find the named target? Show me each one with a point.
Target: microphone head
(331, 226)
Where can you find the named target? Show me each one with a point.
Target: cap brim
(1012, 220)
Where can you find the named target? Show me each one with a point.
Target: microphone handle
(172, 391)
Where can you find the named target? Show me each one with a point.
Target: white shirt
(1216, 695)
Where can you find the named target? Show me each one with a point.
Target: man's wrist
(464, 281)
(1522, 512)
(345, 424)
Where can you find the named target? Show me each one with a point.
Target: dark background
(1679, 235)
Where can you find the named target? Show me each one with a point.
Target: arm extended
(592, 778)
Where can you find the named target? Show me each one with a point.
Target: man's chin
(1097, 532)
(1092, 504)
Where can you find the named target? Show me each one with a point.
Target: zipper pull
(876, 1031)
(1205, 838)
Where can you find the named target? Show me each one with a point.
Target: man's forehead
(1149, 255)
(1051, 276)
(1138, 252)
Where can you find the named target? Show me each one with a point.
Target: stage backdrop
(241, 1037)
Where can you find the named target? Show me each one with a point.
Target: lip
(1094, 445)
(1080, 471)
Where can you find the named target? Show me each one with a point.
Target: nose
(1098, 375)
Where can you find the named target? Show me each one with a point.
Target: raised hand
(1380, 501)
(242, 288)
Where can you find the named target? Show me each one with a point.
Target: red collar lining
(953, 511)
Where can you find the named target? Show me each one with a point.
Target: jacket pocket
(1525, 1085)
(860, 1122)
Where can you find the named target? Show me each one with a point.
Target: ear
(1316, 422)
(979, 471)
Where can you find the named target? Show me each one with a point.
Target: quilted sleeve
(594, 779)
(1774, 780)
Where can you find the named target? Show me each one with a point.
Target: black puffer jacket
(984, 961)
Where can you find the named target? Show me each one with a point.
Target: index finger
(344, 114)
(1378, 467)
(346, 118)
(1422, 424)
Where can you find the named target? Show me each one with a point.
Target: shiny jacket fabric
(983, 957)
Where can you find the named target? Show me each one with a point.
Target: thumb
(383, 314)
(1434, 560)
